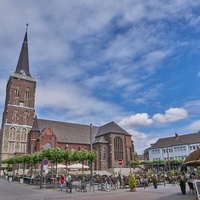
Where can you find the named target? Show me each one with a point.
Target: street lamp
(91, 170)
(168, 159)
(14, 166)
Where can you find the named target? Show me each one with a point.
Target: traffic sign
(120, 161)
(45, 162)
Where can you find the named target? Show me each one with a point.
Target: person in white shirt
(68, 181)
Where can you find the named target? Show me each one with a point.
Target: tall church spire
(23, 62)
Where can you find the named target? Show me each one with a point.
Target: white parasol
(77, 166)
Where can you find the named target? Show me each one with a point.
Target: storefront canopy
(193, 159)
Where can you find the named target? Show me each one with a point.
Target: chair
(191, 187)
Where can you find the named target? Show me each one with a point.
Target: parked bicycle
(81, 187)
(106, 185)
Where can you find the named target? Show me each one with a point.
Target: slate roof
(77, 133)
(111, 127)
(23, 61)
(175, 141)
(100, 139)
(141, 157)
(69, 132)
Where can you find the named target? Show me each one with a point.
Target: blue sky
(135, 62)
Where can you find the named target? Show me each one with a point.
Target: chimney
(176, 136)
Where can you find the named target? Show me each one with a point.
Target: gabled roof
(140, 157)
(100, 139)
(68, 132)
(177, 140)
(35, 124)
(23, 61)
(111, 127)
(77, 133)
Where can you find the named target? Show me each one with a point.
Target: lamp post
(14, 166)
(41, 173)
(168, 159)
(91, 170)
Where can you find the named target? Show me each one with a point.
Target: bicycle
(81, 187)
(104, 186)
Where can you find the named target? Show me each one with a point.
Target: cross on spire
(26, 26)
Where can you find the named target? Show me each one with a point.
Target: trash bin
(10, 179)
(21, 180)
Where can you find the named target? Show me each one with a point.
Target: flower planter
(131, 182)
(132, 189)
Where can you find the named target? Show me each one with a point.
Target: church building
(22, 132)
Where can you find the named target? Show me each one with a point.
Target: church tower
(19, 109)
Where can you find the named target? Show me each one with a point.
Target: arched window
(23, 135)
(23, 148)
(11, 147)
(118, 148)
(17, 91)
(25, 117)
(73, 150)
(15, 116)
(17, 146)
(47, 145)
(27, 93)
(104, 153)
(12, 134)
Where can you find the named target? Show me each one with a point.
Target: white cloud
(141, 140)
(143, 120)
(194, 126)
(144, 97)
(193, 107)
(69, 101)
(135, 121)
(171, 115)
(86, 51)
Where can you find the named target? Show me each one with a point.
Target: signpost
(45, 162)
(44, 167)
(120, 161)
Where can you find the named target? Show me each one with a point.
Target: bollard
(70, 187)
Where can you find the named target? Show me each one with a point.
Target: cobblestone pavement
(17, 191)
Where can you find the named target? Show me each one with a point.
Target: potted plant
(132, 182)
(21, 179)
(154, 181)
(10, 177)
